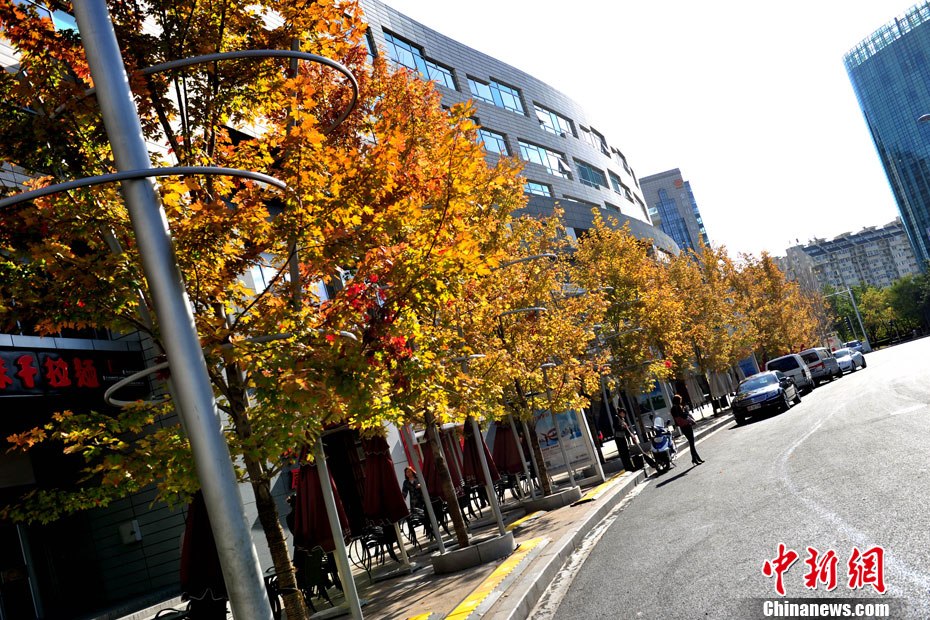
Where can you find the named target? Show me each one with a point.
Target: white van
(822, 364)
(793, 366)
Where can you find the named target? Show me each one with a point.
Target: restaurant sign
(25, 372)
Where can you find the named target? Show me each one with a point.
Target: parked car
(764, 392)
(822, 364)
(849, 359)
(856, 345)
(795, 367)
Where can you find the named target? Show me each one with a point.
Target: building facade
(888, 71)
(566, 159)
(673, 208)
(102, 562)
(798, 267)
(874, 256)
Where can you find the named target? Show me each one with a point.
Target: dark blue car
(764, 392)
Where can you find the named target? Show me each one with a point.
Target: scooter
(663, 447)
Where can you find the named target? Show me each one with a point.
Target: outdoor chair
(508, 482)
(375, 542)
(313, 576)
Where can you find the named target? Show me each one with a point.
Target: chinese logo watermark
(864, 568)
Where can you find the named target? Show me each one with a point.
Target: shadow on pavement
(676, 477)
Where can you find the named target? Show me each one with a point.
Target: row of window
(541, 189)
(555, 163)
(406, 54)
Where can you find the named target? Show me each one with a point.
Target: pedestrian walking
(685, 422)
(622, 432)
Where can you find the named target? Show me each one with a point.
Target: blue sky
(750, 100)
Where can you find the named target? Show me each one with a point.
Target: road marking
(915, 576)
(552, 598)
(491, 584)
(909, 409)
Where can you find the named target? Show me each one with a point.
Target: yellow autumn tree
(391, 207)
(780, 317)
(645, 330)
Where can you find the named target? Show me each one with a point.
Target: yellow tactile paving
(486, 587)
(421, 617)
(523, 520)
(597, 491)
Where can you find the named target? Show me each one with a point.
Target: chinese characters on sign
(33, 373)
(864, 568)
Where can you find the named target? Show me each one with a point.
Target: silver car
(849, 360)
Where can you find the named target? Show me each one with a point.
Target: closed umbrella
(471, 461)
(505, 454)
(311, 524)
(382, 498)
(201, 574)
(453, 451)
(431, 473)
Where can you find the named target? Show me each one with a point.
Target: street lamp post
(196, 404)
(482, 458)
(852, 299)
(555, 425)
(526, 430)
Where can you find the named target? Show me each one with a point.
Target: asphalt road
(845, 468)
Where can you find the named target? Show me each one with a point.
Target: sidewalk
(503, 590)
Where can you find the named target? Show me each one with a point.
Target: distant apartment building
(874, 257)
(673, 208)
(798, 267)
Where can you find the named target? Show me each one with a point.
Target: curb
(521, 597)
(525, 592)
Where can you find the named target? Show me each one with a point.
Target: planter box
(474, 555)
(554, 501)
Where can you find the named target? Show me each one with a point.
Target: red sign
(30, 373)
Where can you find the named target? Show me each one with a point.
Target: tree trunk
(448, 489)
(264, 501)
(543, 473)
(277, 544)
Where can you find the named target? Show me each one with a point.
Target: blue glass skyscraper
(890, 73)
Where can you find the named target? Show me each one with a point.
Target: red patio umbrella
(201, 573)
(311, 524)
(382, 497)
(431, 474)
(454, 459)
(505, 453)
(474, 476)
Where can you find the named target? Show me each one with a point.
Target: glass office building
(673, 208)
(890, 73)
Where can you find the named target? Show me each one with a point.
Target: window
(496, 94)
(581, 201)
(411, 56)
(595, 139)
(552, 161)
(493, 141)
(60, 19)
(611, 207)
(553, 122)
(590, 176)
(369, 46)
(615, 182)
(620, 159)
(538, 189)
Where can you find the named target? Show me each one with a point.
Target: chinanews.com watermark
(824, 571)
(824, 608)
